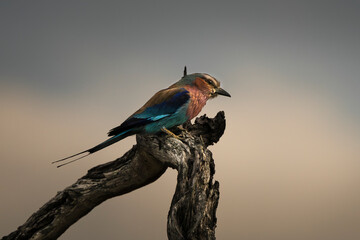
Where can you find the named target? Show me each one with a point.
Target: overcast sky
(288, 164)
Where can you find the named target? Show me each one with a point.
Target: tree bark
(192, 213)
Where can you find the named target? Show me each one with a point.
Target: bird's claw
(170, 133)
(181, 128)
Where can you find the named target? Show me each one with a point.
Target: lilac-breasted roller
(168, 108)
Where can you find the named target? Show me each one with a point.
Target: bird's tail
(98, 147)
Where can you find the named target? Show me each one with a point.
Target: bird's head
(204, 82)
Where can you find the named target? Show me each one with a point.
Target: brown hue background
(289, 161)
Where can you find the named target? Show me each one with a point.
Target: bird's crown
(191, 79)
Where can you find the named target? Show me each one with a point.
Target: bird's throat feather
(197, 101)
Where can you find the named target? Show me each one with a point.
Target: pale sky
(289, 162)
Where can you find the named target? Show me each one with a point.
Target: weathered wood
(192, 212)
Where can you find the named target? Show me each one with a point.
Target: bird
(170, 107)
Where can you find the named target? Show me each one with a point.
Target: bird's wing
(161, 105)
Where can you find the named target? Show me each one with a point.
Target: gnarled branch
(193, 208)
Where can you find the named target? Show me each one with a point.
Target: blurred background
(289, 161)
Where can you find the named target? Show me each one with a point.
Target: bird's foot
(181, 128)
(170, 133)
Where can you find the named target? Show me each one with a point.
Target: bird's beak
(221, 91)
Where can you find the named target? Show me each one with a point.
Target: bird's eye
(209, 81)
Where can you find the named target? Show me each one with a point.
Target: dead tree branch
(193, 208)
